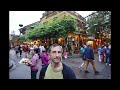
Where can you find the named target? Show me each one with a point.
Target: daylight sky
(28, 17)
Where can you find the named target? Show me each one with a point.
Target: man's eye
(59, 51)
(54, 51)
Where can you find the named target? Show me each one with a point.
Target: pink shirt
(35, 59)
(44, 58)
(65, 53)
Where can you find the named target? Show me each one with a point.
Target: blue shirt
(99, 49)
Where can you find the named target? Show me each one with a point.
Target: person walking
(26, 50)
(17, 50)
(20, 49)
(89, 56)
(82, 50)
(107, 53)
(31, 50)
(102, 53)
(65, 54)
(99, 53)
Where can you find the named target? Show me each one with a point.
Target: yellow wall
(91, 43)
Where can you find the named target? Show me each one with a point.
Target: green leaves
(59, 27)
(98, 21)
(22, 38)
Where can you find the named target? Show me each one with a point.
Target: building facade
(13, 40)
(77, 39)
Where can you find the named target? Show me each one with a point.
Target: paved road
(23, 72)
(75, 61)
(20, 71)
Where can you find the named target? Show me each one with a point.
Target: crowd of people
(104, 53)
(52, 66)
(87, 54)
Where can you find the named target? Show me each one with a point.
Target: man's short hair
(54, 45)
(36, 50)
(88, 44)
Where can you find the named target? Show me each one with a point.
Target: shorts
(90, 60)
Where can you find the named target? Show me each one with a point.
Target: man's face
(56, 54)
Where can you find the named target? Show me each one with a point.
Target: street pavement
(22, 71)
(75, 62)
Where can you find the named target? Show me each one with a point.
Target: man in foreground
(56, 69)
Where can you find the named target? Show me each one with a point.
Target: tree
(99, 23)
(55, 29)
(22, 38)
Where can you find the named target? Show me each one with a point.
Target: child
(65, 54)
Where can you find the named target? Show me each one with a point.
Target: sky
(29, 17)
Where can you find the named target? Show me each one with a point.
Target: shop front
(76, 41)
(91, 41)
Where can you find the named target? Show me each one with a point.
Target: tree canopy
(58, 27)
(99, 22)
